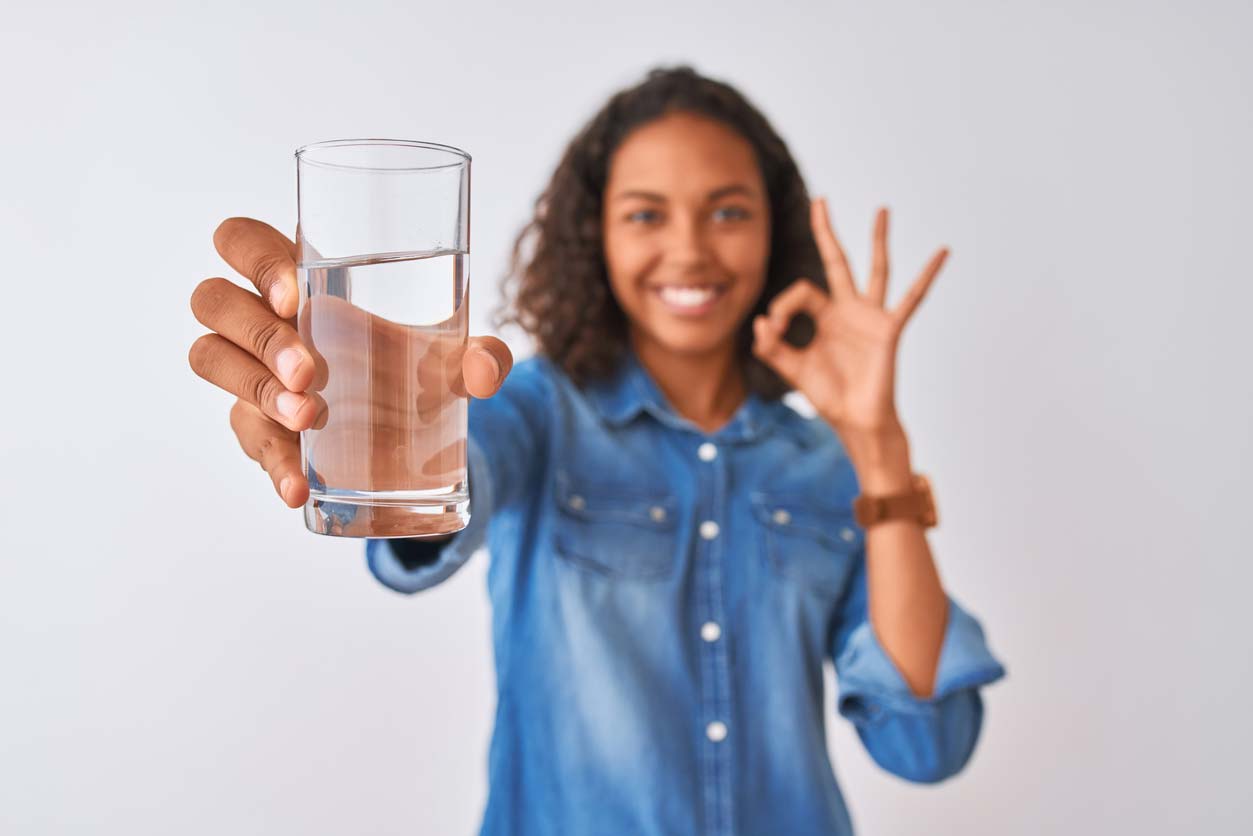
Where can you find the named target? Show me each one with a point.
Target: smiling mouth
(692, 299)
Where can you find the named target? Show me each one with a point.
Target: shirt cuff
(870, 684)
(391, 571)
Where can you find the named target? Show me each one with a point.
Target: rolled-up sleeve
(924, 740)
(505, 451)
(393, 571)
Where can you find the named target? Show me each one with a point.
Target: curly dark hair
(563, 299)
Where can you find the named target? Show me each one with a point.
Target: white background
(178, 655)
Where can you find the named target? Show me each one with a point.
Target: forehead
(682, 154)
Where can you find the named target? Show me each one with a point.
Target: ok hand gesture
(848, 370)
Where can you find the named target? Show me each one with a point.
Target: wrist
(881, 458)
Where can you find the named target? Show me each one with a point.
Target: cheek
(627, 262)
(747, 257)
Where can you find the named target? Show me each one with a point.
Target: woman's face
(686, 232)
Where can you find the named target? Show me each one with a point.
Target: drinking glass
(383, 257)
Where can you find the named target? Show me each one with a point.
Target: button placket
(716, 688)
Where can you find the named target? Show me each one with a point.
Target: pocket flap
(834, 527)
(815, 547)
(656, 512)
(626, 535)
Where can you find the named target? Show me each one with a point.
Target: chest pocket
(805, 544)
(614, 532)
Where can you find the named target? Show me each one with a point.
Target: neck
(706, 388)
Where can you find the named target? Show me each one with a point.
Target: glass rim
(303, 151)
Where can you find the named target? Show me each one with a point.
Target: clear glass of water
(383, 255)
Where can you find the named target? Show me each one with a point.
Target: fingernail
(289, 360)
(277, 295)
(284, 486)
(289, 404)
(483, 352)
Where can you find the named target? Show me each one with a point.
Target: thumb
(485, 366)
(770, 347)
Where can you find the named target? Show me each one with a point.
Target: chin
(690, 340)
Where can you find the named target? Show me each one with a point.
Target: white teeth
(687, 297)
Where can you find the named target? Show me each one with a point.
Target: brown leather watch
(914, 504)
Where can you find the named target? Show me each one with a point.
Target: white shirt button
(848, 534)
(716, 731)
(707, 452)
(710, 631)
(657, 513)
(577, 502)
(709, 529)
(782, 517)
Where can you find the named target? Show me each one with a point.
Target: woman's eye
(731, 212)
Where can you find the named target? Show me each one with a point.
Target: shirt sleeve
(505, 452)
(924, 740)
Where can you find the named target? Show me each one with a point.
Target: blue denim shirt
(662, 604)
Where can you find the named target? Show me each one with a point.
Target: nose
(687, 247)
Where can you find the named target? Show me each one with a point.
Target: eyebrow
(723, 191)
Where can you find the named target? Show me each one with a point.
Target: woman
(673, 549)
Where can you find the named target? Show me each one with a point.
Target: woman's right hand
(256, 354)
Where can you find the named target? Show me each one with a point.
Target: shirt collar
(631, 390)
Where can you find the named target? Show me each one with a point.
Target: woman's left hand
(847, 371)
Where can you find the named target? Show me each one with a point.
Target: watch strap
(916, 503)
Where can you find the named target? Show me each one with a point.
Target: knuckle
(267, 336)
(269, 452)
(260, 387)
(267, 269)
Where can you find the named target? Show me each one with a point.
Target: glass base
(338, 518)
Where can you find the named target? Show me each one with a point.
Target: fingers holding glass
(226, 365)
(264, 256)
(274, 447)
(244, 319)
